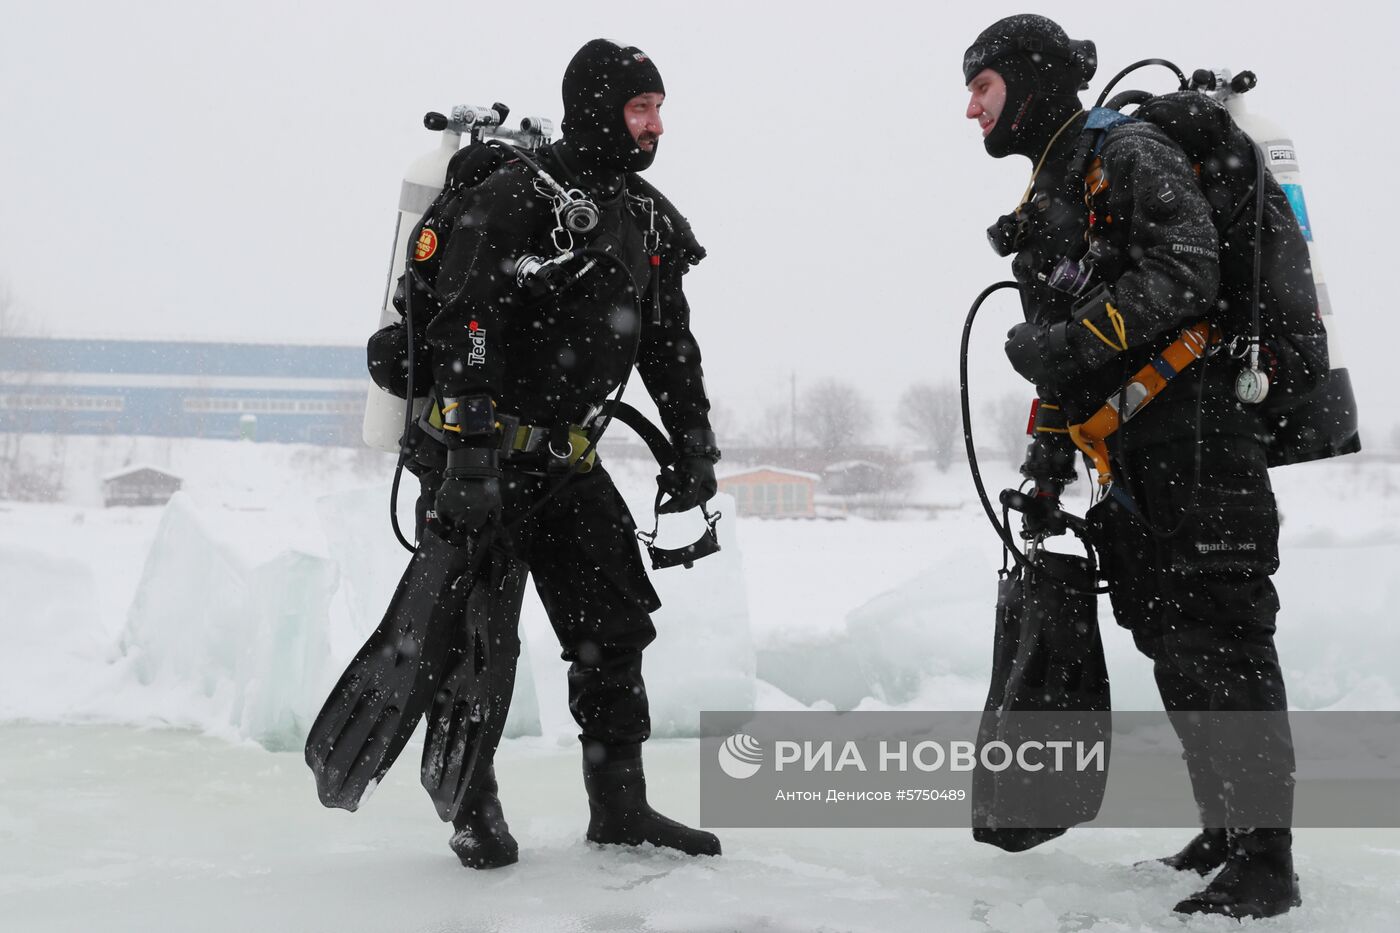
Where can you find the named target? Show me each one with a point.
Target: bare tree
(19, 478)
(772, 425)
(834, 415)
(931, 413)
(893, 495)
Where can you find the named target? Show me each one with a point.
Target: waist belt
(1091, 435)
(522, 440)
(558, 447)
(564, 445)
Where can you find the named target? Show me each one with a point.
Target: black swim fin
(473, 698)
(378, 701)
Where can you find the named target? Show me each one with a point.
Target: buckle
(529, 437)
(517, 438)
(506, 443)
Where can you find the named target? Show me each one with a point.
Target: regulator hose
(1001, 527)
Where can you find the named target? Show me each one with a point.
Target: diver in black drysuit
(499, 349)
(1198, 602)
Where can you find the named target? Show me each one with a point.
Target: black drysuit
(549, 361)
(1188, 558)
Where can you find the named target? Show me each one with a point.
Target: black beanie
(600, 79)
(1044, 70)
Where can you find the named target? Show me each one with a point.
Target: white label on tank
(1281, 155)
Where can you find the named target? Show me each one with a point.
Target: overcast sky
(231, 170)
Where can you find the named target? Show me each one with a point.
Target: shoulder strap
(473, 164)
(694, 252)
(1104, 118)
(1101, 121)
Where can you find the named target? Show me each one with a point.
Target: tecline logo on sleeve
(477, 335)
(740, 756)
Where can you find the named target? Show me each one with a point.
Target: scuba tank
(1324, 423)
(422, 183)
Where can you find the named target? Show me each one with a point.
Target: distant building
(267, 392)
(772, 492)
(139, 485)
(853, 477)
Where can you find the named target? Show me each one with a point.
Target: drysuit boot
(1257, 880)
(1203, 855)
(482, 838)
(617, 804)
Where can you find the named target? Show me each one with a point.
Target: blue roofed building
(270, 392)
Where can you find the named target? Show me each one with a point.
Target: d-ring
(566, 454)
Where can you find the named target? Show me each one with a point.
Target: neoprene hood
(601, 78)
(1044, 70)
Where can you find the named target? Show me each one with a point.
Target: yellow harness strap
(1091, 436)
(578, 443)
(521, 438)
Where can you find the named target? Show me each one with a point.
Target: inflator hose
(1002, 531)
(1180, 76)
(1001, 527)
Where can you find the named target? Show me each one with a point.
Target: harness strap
(1091, 435)
(1048, 418)
(651, 435)
(564, 444)
(526, 440)
(666, 457)
(529, 438)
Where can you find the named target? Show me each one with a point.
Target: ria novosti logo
(740, 756)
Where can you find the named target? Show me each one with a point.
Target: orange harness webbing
(1091, 435)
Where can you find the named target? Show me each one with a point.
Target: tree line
(836, 416)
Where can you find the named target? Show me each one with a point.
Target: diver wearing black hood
(549, 360)
(600, 80)
(1043, 70)
(1197, 597)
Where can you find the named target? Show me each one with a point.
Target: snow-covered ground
(157, 668)
(117, 829)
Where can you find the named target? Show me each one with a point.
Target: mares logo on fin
(427, 245)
